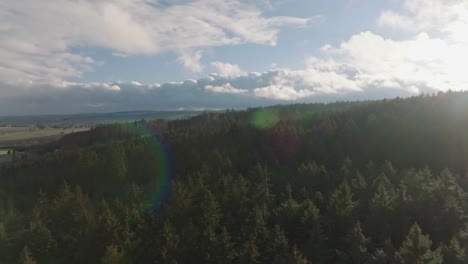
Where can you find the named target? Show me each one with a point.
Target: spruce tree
(113, 256)
(340, 218)
(26, 257)
(453, 253)
(416, 249)
(355, 250)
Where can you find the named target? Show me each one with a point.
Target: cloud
(37, 38)
(280, 92)
(191, 60)
(227, 69)
(119, 54)
(35, 63)
(225, 88)
(435, 16)
(433, 56)
(212, 92)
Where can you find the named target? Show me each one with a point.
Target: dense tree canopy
(349, 182)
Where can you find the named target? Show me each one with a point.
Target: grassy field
(4, 151)
(20, 136)
(3, 155)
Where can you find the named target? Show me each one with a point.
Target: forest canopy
(348, 182)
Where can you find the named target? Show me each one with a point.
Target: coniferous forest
(347, 182)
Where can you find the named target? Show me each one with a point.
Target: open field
(4, 151)
(3, 155)
(20, 136)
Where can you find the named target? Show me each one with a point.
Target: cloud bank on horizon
(417, 46)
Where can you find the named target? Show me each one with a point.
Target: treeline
(350, 182)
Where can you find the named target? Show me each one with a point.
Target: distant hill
(94, 118)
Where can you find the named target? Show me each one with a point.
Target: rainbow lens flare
(162, 171)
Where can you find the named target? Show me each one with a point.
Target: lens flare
(162, 171)
(264, 118)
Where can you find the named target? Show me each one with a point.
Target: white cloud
(433, 57)
(448, 17)
(225, 88)
(191, 60)
(37, 37)
(213, 92)
(367, 65)
(227, 69)
(280, 92)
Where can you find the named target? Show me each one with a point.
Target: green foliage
(113, 256)
(453, 253)
(306, 183)
(416, 248)
(355, 250)
(25, 257)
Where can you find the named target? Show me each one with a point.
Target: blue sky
(64, 56)
(334, 21)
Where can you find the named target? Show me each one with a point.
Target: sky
(85, 56)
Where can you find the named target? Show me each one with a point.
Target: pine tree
(381, 211)
(453, 253)
(342, 204)
(384, 255)
(279, 249)
(288, 214)
(359, 183)
(224, 250)
(311, 227)
(249, 253)
(261, 191)
(340, 218)
(118, 163)
(169, 244)
(25, 257)
(108, 225)
(416, 249)
(113, 256)
(297, 257)
(346, 167)
(40, 241)
(209, 209)
(355, 250)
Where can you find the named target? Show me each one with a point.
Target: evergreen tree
(453, 253)
(280, 253)
(279, 249)
(261, 191)
(416, 249)
(384, 255)
(169, 244)
(224, 249)
(108, 225)
(249, 253)
(25, 257)
(311, 227)
(381, 212)
(342, 204)
(40, 240)
(355, 250)
(113, 256)
(288, 215)
(340, 218)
